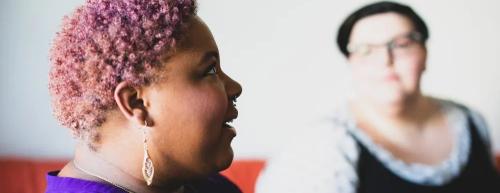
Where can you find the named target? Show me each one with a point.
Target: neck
(98, 165)
(412, 112)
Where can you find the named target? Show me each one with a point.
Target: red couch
(28, 176)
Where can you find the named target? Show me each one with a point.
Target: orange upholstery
(25, 175)
(497, 158)
(244, 173)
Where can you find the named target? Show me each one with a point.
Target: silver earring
(148, 169)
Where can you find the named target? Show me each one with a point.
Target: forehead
(380, 28)
(198, 37)
(194, 45)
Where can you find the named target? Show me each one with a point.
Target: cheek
(357, 71)
(363, 74)
(206, 107)
(189, 123)
(410, 70)
(196, 115)
(204, 132)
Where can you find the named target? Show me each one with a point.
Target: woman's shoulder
(215, 183)
(454, 105)
(468, 113)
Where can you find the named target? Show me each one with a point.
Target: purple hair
(103, 43)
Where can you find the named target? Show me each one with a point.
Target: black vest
(478, 175)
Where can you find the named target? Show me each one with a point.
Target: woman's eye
(401, 43)
(212, 70)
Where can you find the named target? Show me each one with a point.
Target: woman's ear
(129, 101)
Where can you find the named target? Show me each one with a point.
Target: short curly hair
(103, 43)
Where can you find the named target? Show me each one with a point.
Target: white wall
(283, 53)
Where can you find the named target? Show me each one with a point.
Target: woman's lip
(231, 129)
(233, 114)
(391, 77)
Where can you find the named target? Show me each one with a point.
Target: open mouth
(232, 114)
(226, 126)
(227, 123)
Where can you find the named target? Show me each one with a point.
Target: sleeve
(323, 161)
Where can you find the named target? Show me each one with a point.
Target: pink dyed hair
(103, 43)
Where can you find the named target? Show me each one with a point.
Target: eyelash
(212, 70)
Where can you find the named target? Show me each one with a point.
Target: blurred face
(191, 109)
(387, 58)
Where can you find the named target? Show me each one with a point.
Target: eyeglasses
(399, 46)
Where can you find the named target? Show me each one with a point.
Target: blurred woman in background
(389, 137)
(139, 82)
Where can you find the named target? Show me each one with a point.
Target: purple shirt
(55, 184)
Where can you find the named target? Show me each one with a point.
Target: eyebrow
(208, 56)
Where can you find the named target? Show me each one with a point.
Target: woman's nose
(232, 87)
(385, 56)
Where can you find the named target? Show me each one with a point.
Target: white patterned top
(326, 161)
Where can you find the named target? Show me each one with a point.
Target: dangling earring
(148, 169)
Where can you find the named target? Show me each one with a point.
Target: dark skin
(186, 114)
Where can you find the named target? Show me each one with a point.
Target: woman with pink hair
(140, 85)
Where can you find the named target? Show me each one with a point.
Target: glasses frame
(367, 49)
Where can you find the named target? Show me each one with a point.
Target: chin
(225, 160)
(390, 105)
(215, 164)
(394, 100)
(392, 96)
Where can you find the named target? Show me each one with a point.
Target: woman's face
(190, 109)
(382, 74)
